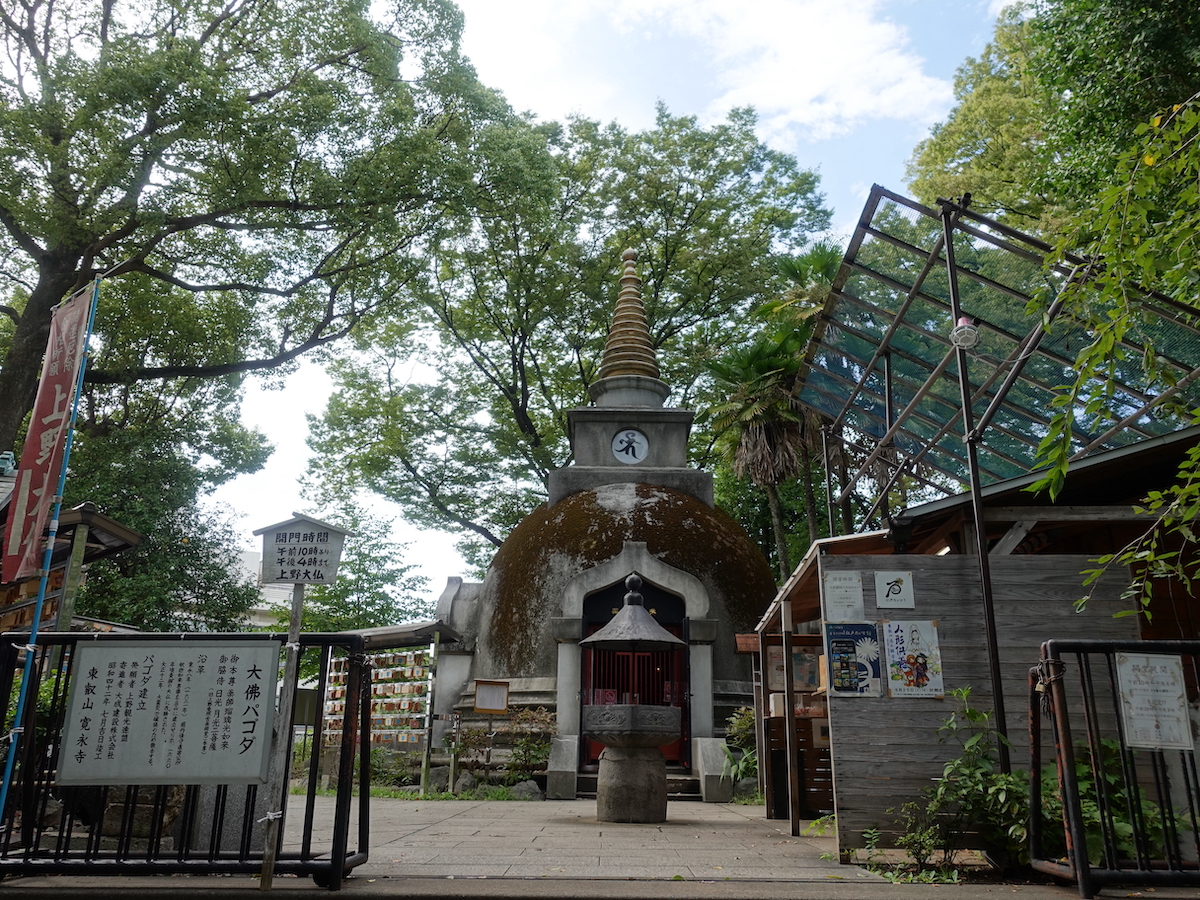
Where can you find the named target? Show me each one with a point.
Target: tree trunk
(781, 550)
(843, 478)
(810, 497)
(23, 363)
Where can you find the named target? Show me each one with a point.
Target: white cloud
(812, 68)
(522, 47)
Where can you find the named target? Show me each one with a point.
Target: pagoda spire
(628, 350)
(629, 373)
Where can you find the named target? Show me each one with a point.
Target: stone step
(681, 785)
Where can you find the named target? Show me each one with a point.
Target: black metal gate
(54, 829)
(1124, 771)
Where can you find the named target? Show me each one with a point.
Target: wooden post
(72, 578)
(789, 716)
(430, 717)
(278, 775)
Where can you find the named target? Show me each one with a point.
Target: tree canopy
(1109, 65)
(186, 575)
(256, 179)
(989, 144)
(458, 414)
(260, 175)
(1042, 116)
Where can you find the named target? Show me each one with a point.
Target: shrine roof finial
(629, 350)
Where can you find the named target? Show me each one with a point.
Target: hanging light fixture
(965, 334)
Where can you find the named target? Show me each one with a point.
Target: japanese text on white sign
(170, 712)
(301, 555)
(1154, 710)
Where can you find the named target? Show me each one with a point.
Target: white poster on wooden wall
(894, 590)
(842, 593)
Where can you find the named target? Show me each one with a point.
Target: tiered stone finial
(628, 350)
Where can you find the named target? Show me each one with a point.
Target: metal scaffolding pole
(971, 437)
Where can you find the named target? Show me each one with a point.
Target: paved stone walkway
(563, 839)
(557, 850)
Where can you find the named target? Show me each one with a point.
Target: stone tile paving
(563, 839)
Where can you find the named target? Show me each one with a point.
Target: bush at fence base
(974, 805)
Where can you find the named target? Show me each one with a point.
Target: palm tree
(761, 421)
(767, 435)
(811, 274)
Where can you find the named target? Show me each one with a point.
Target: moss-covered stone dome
(552, 545)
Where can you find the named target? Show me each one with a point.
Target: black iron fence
(1116, 765)
(50, 828)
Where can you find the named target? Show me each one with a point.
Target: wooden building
(936, 383)
(84, 536)
(883, 747)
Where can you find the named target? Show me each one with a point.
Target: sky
(848, 87)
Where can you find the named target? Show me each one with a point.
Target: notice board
(170, 712)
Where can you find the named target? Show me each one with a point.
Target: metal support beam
(897, 319)
(829, 504)
(949, 216)
(900, 420)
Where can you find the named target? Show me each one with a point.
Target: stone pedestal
(632, 785)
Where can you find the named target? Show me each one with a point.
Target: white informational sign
(169, 712)
(843, 596)
(1154, 710)
(302, 550)
(914, 659)
(894, 590)
(491, 696)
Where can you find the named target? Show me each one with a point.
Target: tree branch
(435, 500)
(122, 376)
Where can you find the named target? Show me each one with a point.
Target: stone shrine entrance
(658, 678)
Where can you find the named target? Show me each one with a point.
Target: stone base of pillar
(632, 785)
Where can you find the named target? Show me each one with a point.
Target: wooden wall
(886, 751)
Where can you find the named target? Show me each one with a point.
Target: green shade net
(887, 325)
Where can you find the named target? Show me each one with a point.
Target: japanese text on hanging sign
(301, 555)
(41, 457)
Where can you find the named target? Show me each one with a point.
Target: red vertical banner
(41, 457)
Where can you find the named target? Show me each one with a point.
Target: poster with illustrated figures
(855, 663)
(914, 660)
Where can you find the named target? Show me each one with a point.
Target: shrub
(739, 766)
(532, 730)
(739, 729)
(973, 796)
(467, 745)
